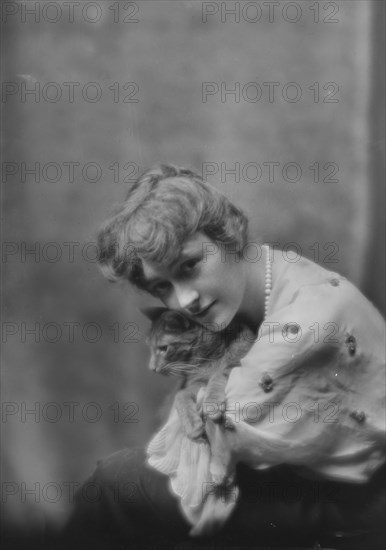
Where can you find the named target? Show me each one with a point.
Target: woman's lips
(203, 312)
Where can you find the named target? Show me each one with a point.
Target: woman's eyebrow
(189, 252)
(185, 255)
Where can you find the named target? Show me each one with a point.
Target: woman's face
(206, 283)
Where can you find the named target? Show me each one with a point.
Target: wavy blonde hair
(165, 206)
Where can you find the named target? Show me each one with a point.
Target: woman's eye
(189, 265)
(160, 288)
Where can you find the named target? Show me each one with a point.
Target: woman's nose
(187, 298)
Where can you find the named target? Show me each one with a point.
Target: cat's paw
(214, 403)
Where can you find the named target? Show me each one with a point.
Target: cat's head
(177, 343)
(171, 320)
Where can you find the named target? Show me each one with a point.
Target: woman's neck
(251, 310)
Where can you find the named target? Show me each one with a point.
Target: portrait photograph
(193, 275)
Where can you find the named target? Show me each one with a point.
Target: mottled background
(70, 337)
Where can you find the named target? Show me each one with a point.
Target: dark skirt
(128, 504)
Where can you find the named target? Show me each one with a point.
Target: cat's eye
(162, 349)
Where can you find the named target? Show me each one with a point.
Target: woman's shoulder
(318, 318)
(304, 286)
(321, 347)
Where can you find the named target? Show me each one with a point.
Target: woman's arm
(311, 389)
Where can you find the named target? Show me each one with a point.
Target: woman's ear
(152, 313)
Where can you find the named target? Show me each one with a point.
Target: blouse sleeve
(311, 390)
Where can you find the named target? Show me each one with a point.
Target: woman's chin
(217, 323)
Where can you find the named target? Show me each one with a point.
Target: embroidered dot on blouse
(334, 282)
(359, 416)
(351, 344)
(266, 383)
(291, 329)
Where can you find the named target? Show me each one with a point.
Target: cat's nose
(152, 365)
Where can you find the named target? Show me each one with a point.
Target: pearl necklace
(268, 278)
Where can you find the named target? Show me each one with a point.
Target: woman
(306, 406)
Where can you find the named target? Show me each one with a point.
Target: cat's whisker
(179, 369)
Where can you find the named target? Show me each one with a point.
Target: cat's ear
(175, 321)
(184, 321)
(152, 313)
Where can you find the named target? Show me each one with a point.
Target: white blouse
(310, 392)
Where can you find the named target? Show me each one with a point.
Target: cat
(181, 347)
